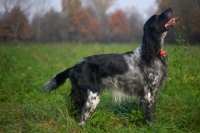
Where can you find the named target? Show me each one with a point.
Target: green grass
(23, 108)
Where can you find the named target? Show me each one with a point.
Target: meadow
(24, 108)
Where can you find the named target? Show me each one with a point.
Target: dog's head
(157, 24)
(155, 30)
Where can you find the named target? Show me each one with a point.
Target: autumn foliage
(84, 28)
(118, 28)
(71, 6)
(90, 21)
(15, 25)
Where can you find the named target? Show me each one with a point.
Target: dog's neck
(162, 50)
(152, 47)
(162, 39)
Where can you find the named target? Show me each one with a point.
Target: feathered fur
(139, 73)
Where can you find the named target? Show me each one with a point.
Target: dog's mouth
(172, 22)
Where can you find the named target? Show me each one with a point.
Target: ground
(24, 108)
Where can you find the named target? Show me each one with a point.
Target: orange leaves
(84, 28)
(72, 24)
(15, 25)
(118, 28)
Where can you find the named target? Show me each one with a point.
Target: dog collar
(163, 52)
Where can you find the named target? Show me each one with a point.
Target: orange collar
(162, 52)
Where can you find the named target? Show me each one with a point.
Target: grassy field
(23, 108)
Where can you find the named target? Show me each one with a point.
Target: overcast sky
(145, 7)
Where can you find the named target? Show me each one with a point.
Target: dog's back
(139, 73)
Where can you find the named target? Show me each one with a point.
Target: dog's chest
(146, 75)
(141, 75)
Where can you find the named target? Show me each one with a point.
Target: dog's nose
(168, 12)
(169, 9)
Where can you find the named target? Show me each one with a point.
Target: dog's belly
(129, 84)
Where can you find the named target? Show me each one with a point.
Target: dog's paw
(82, 123)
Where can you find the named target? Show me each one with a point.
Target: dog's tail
(56, 81)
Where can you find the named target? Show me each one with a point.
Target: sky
(145, 7)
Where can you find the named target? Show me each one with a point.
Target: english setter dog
(139, 73)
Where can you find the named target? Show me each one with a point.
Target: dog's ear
(149, 47)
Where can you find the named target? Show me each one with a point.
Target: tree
(195, 25)
(118, 28)
(52, 28)
(135, 22)
(14, 22)
(25, 5)
(100, 7)
(17, 25)
(35, 27)
(5, 32)
(40, 10)
(71, 6)
(92, 12)
(84, 28)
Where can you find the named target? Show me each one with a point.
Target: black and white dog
(139, 73)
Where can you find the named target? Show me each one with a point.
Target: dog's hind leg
(89, 105)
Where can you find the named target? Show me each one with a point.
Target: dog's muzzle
(172, 22)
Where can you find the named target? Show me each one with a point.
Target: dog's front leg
(149, 110)
(148, 103)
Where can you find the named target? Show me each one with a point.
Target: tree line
(87, 21)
